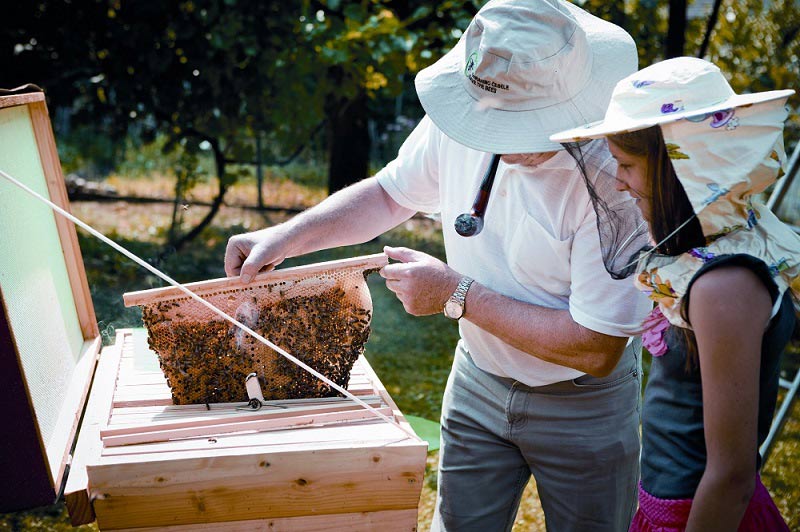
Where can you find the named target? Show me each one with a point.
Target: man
(539, 384)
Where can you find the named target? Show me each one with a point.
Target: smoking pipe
(471, 223)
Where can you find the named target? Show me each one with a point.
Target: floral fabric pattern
(724, 160)
(659, 291)
(655, 325)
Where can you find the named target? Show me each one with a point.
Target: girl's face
(632, 177)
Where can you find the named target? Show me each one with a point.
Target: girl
(723, 272)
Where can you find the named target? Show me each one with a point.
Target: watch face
(452, 309)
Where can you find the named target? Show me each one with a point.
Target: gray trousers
(579, 439)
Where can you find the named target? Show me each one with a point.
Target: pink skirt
(671, 515)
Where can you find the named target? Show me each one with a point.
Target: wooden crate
(140, 462)
(329, 473)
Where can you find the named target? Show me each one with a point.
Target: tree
(710, 25)
(365, 52)
(219, 73)
(201, 71)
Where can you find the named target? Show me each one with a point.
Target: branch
(290, 158)
(710, 23)
(789, 35)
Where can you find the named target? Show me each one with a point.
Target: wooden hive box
(141, 462)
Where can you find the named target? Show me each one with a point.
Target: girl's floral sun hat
(726, 149)
(683, 87)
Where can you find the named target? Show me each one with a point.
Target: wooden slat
(137, 399)
(214, 429)
(386, 521)
(156, 414)
(87, 449)
(252, 486)
(233, 407)
(21, 99)
(133, 396)
(363, 434)
(71, 405)
(207, 420)
(381, 390)
(150, 377)
(143, 388)
(365, 262)
(57, 189)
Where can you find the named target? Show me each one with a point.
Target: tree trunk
(676, 33)
(259, 170)
(348, 143)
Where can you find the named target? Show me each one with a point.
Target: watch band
(455, 306)
(460, 294)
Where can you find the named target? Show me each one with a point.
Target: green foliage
(757, 44)
(226, 70)
(372, 46)
(142, 158)
(308, 175)
(86, 151)
(46, 519)
(162, 156)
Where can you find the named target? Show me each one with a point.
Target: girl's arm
(729, 309)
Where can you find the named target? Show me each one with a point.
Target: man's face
(527, 159)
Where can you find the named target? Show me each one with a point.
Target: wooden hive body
(312, 467)
(49, 340)
(361, 474)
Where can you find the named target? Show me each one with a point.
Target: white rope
(197, 298)
(625, 243)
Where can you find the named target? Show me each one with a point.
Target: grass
(411, 355)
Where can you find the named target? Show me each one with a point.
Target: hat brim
(606, 127)
(442, 93)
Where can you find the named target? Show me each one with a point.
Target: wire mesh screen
(34, 280)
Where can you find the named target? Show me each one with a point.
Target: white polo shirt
(539, 243)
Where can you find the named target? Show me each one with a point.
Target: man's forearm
(548, 334)
(353, 215)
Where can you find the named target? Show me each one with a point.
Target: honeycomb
(323, 320)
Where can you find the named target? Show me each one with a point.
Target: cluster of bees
(207, 360)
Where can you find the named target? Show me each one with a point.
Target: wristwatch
(454, 307)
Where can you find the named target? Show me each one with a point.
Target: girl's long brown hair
(669, 206)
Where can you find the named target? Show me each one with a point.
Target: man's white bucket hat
(683, 87)
(522, 71)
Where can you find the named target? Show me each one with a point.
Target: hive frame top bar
(24, 98)
(155, 295)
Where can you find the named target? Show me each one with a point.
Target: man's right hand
(353, 215)
(249, 253)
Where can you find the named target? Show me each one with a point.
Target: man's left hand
(421, 282)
